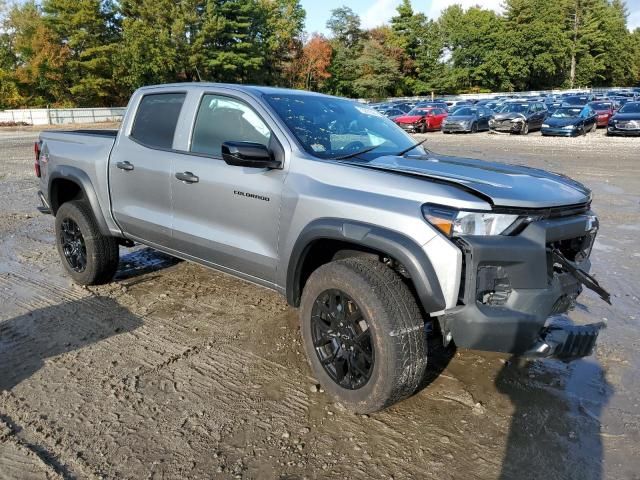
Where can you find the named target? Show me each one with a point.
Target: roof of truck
(255, 89)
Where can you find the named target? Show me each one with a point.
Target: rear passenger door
(228, 216)
(140, 168)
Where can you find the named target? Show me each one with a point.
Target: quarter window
(156, 119)
(222, 119)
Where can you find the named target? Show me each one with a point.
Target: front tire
(525, 129)
(88, 256)
(363, 334)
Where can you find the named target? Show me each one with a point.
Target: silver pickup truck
(373, 237)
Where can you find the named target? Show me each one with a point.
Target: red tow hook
(36, 165)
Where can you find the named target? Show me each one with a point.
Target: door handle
(125, 166)
(187, 177)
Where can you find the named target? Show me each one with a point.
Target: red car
(422, 119)
(604, 111)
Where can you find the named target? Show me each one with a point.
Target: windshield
(631, 108)
(601, 106)
(464, 112)
(515, 108)
(419, 111)
(566, 113)
(329, 127)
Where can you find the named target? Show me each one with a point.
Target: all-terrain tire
(102, 251)
(398, 338)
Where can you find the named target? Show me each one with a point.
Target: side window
(222, 119)
(156, 119)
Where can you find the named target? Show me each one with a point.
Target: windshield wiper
(407, 150)
(355, 154)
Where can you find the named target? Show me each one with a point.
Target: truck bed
(93, 131)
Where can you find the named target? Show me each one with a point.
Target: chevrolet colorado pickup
(373, 237)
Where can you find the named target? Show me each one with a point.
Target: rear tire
(388, 321)
(88, 256)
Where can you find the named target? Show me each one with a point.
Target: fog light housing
(492, 285)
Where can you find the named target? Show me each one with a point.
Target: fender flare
(395, 244)
(81, 178)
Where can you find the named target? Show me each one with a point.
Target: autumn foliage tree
(313, 64)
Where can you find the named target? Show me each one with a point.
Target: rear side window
(156, 119)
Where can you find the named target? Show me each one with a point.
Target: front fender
(390, 242)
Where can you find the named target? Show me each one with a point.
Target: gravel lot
(176, 371)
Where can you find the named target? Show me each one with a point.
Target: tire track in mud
(234, 389)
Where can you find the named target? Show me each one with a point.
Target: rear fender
(80, 178)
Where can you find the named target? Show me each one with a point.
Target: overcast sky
(377, 12)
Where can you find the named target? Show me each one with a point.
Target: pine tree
(87, 29)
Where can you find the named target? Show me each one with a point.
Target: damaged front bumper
(512, 285)
(565, 342)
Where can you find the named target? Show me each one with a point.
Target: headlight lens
(569, 127)
(545, 125)
(455, 223)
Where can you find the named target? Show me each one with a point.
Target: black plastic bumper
(511, 285)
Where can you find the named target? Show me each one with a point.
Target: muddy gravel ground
(176, 371)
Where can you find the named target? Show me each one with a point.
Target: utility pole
(572, 75)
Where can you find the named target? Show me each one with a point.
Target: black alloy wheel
(73, 245)
(342, 339)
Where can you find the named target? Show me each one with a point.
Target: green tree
(377, 68)
(88, 29)
(346, 44)
(283, 26)
(534, 46)
(421, 46)
(471, 38)
(620, 53)
(344, 26)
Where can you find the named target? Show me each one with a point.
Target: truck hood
(502, 184)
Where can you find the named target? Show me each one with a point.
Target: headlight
(569, 127)
(455, 223)
(516, 120)
(545, 125)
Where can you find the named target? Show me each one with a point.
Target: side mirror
(248, 154)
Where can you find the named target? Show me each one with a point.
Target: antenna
(198, 73)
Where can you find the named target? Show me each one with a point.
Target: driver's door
(222, 214)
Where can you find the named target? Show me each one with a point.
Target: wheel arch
(70, 183)
(319, 242)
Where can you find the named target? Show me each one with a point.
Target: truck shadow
(555, 428)
(28, 340)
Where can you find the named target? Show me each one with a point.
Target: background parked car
(577, 100)
(519, 117)
(393, 113)
(570, 122)
(467, 119)
(434, 104)
(422, 119)
(604, 110)
(626, 121)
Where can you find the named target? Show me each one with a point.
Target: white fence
(57, 116)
